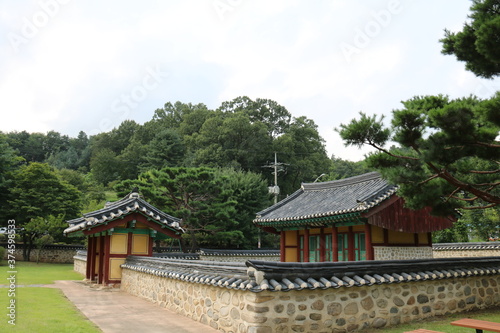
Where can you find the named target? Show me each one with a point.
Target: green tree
(477, 43)
(193, 194)
(303, 152)
(73, 153)
(44, 230)
(90, 189)
(341, 168)
(38, 192)
(276, 117)
(484, 223)
(29, 146)
(166, 149)
(9, 161)
(249, 192)
(232, 141)
(54, 142)
(448, 154)
(105, 166)
(172, 115)
(458, 233)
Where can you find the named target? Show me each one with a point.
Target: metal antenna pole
(275, 176)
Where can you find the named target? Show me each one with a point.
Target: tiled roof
(127, 205)
(280, 276)
(466, 246)
(329, 199)
(239, 253)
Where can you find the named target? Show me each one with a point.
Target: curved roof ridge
(281, 203)
(341, 182)
(132, 202)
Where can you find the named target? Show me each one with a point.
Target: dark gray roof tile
(313, 200)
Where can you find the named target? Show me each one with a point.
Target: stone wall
(80, 262)
(253, 306)
(401, 253)
(469, 250)
(61, 254)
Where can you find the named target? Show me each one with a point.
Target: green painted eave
(346, 219)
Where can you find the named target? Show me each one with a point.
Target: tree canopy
(216, 206)
(38, 194)
(447, 153)
(477, 44)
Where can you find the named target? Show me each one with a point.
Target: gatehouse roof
(131, 203)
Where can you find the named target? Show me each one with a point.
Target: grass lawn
(33, 273)
(41, 309)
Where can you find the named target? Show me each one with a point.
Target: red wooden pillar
(89, 255)
(129, 243)
(100, 274)
(107, 249)
(151, 243)
(93, 258)
(297, 257)
(322, 245)
(350, 241)
(306, 245)
(368, 242)
(282, 246)
(335, 244)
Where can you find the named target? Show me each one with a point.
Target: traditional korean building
(357, 218)
(126, 227)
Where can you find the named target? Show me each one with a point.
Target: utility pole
(277, 167)
(275, 190)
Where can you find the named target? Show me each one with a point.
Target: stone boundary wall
(239, 255)
(251, 306)
(238, 258)
(469, 250)
(402, 253)
(60, 254)
(80, 262)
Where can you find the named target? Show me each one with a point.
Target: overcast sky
(72, 65)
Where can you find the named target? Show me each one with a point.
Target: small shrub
(2, 254)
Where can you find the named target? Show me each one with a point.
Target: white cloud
(67, 77)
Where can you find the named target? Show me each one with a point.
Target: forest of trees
(224, 153)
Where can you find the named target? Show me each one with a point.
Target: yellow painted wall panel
(119, 244)
(290, 238)
(377, 234)
(291, 254)
(360, 227)
(140, 244)
(423, 239)
(139, 225)
(396, 237)
(115, 271)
